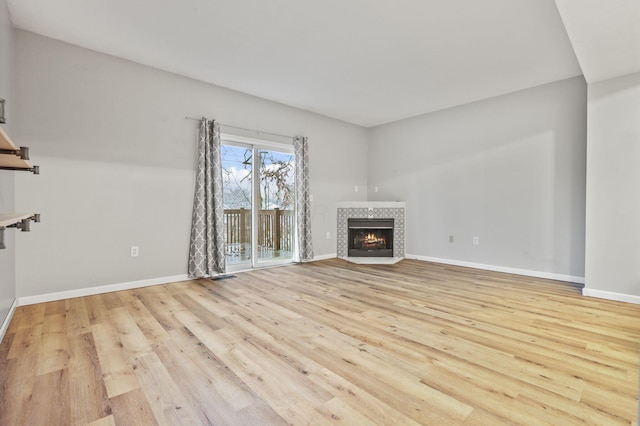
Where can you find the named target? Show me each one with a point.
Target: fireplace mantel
(372, 204)
(370, 209)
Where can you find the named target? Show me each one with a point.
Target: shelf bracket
(10, 152)
(34, 169)
(24, 225)
(23, 152)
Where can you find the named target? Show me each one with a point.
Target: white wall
(117, 160)
(509, 170)
(613, 188)
(7, 256)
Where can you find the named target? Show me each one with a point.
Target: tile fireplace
(370, 229)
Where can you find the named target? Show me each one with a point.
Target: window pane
(276, 205)
(236, 181)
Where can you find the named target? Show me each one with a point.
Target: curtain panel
(303, 202)
(206, 250)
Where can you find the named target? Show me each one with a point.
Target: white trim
(260, 264)
(324, 257)
(374, 260)
(238, 267)
(372, 204)
(525, 272)
(619, 297)
(7, 320)
(237, 140)
(90, 291)
(239, 271)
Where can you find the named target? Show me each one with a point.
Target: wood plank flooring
(327, 342)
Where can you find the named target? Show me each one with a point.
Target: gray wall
(7, 256)
(509, 170)
(117, 160)
(613, 187)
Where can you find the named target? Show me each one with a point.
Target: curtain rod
(244, 128)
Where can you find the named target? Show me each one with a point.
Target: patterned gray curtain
(303, 203)
(206, 252)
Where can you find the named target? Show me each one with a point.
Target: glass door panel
(237, 177)
(274, 204)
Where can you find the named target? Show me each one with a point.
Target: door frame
(255, 145)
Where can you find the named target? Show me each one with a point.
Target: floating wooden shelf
(12, 157)
(16, 220)
(7, 220)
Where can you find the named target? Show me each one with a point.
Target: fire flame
(372, 238)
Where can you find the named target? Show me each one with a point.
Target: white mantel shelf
(372, 204)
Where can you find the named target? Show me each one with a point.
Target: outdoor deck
(276, 228)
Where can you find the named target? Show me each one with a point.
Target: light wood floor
(326, 343)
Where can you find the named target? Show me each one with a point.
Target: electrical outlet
(375, 189)
(476, 241)
(311, 198)
(450, 238)
(356, 188)
(328, 235)
(135, 250)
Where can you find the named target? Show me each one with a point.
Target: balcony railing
(275, 233)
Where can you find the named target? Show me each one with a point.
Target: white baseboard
(51, 297)
(7, 320)
(70, 294)
(324, 257)
(619, 297)
(525, 272)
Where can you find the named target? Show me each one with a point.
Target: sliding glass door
(237, 196)
(258, 182)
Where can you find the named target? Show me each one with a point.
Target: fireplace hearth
(370, 237)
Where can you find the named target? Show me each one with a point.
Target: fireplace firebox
(370, 237)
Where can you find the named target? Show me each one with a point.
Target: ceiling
(605, 35)
(367, 62)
